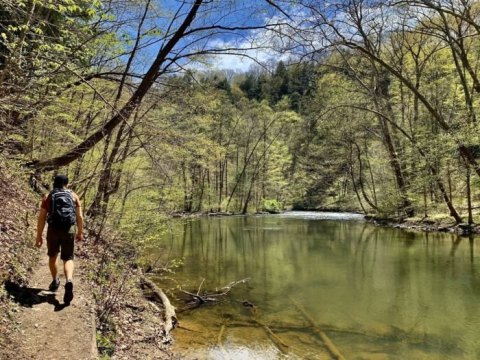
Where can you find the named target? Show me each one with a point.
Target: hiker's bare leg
(68, 269)
(52, 264)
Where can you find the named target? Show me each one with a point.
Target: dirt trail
(49, 330)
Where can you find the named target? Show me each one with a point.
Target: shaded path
(49, 330)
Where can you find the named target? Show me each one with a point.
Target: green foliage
(295, 82)
(37, 36)
(272, 206)
(342, 132)
(105, 345)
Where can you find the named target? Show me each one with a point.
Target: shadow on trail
(28, 296)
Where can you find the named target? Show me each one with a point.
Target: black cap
(60, 181)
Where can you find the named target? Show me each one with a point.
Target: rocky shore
(463, 229)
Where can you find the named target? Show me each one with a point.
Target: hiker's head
(60, 181)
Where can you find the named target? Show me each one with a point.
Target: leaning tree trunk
(124, 113)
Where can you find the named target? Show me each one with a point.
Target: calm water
(377, 293)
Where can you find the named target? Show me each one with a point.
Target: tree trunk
(469, 197)
(124, 113)
(360, 178)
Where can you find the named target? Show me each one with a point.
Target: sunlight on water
(375, 293)
(315, 215)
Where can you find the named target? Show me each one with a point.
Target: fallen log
(279, 343)
(220, 343)
(388, 333)
(186, 328)
(170, 318)
(325, 339)
(220, 335)
(275, 327)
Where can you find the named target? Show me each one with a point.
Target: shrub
(272, 206)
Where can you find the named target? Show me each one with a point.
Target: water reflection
(376, 292)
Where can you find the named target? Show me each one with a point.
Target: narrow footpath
(49, 330)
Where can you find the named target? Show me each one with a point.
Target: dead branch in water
(277, 341)
(325, 339)
(210, 297)
(220, 343)
(384, 333)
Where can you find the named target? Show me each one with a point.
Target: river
(376, 293)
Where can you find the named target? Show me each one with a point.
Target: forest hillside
(383, 122)
(365, 106)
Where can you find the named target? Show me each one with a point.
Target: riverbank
(441, 224)
(130, 320)
(426, 225)
(187, 215)
(129, 323)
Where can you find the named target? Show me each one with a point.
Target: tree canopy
(369, 106)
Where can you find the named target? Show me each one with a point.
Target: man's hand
(79, 236)
(39, 242)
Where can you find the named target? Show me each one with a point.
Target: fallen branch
(170, 319)
(275, 327)
(387, 333)
(212, 297)
(325, 339)
(186, 328)
(220, 343)
(220, 335)
(279, 343)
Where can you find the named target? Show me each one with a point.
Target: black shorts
(61, 240)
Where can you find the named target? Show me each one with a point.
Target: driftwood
(220, 335)
(198, 299)
(279, 343)
(325, 339)
(220, 343)
(186, 328)
(170, 318)
(277, 327)
(386, 333)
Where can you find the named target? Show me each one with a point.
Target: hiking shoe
(68, 296)
(54, 285)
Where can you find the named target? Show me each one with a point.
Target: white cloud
(258, 47)
(241, 60)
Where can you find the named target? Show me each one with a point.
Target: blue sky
(226, 13)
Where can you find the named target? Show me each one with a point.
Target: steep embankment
(17, 224)
(17, 255)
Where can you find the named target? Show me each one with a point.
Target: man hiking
(61, 209)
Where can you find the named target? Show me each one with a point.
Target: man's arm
(79, 217)
(42, 217)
